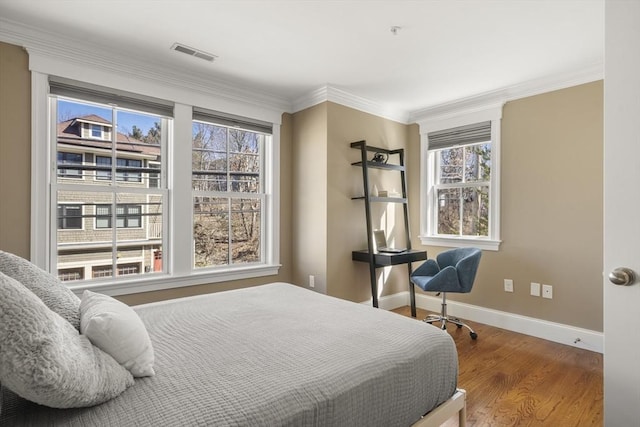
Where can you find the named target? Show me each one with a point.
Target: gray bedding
(272, 355)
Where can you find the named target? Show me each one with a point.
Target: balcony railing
(154, 230)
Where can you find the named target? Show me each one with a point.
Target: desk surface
(385, 259)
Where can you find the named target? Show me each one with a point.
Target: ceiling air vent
(193, 52)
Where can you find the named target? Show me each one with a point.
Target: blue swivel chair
(452, 271)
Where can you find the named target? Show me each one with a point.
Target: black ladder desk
(384, 259)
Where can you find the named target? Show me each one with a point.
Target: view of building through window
(108, 172)
(111, 192)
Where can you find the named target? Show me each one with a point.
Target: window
(460, 173)
(103, 167)
(228, 192)
(128, 216)
(129, 169)
(154, 181)
(70, 217)
(151, 246)
(96, 131)
(102, 271)
(124, 191)
(69, 274)
(65, 159)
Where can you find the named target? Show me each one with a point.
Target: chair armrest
(445, 281)
(428, 268)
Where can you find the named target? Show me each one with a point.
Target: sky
(126, 120)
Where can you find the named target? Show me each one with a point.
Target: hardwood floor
(513, 379)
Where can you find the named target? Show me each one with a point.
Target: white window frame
(179, 263)
(428, 176)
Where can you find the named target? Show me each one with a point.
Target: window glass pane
(244, 160)
(103, 167)
(211, 231)
(70, 217)
(245, 228)
(139, 138)
(103, 216)
(64, 160)
(154, 177)
(450, 165)
(475, 220)
(209, 157)
(448, 211)
(74, 124)
(139, 233)
(96, 131)
(477, 162)
(86, 245)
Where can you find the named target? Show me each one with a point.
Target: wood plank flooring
(513, 379)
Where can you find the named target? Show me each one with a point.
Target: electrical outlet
(312, 281)
(535, 289)
(547, 291)
(508, 285)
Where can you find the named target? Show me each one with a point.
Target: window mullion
(114, 208)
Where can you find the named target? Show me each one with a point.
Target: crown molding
(500, 96)
(52, 45)
(342, 97)
(446, 110)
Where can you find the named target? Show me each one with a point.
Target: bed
(275, 355)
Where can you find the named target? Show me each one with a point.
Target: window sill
(159, 282)
(461, 242)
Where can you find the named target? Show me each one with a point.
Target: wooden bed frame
(455, 404)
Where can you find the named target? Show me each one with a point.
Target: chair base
(443, 318)
(448, 319)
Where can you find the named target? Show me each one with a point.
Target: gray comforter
(273, 355)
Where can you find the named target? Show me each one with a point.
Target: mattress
(272, 355)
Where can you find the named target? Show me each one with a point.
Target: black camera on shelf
(380, 158)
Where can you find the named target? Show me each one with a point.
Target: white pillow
(116, 329)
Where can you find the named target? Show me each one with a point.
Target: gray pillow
(48, 288)
(45, 360)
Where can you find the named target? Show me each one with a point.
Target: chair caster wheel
(473, 335)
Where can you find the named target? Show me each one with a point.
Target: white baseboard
(556, 332)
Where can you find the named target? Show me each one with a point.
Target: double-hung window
(460, 182)
(140, 213)
(119, 194)
(228, 184)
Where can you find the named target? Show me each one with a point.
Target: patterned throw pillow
(48, 288)
(45, 360)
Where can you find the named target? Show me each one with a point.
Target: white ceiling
(445, 49)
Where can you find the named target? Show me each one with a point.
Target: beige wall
(346, 221)
(551, 215)
(15, 153)
(15, 161)
(551, 212)
(310, 197)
